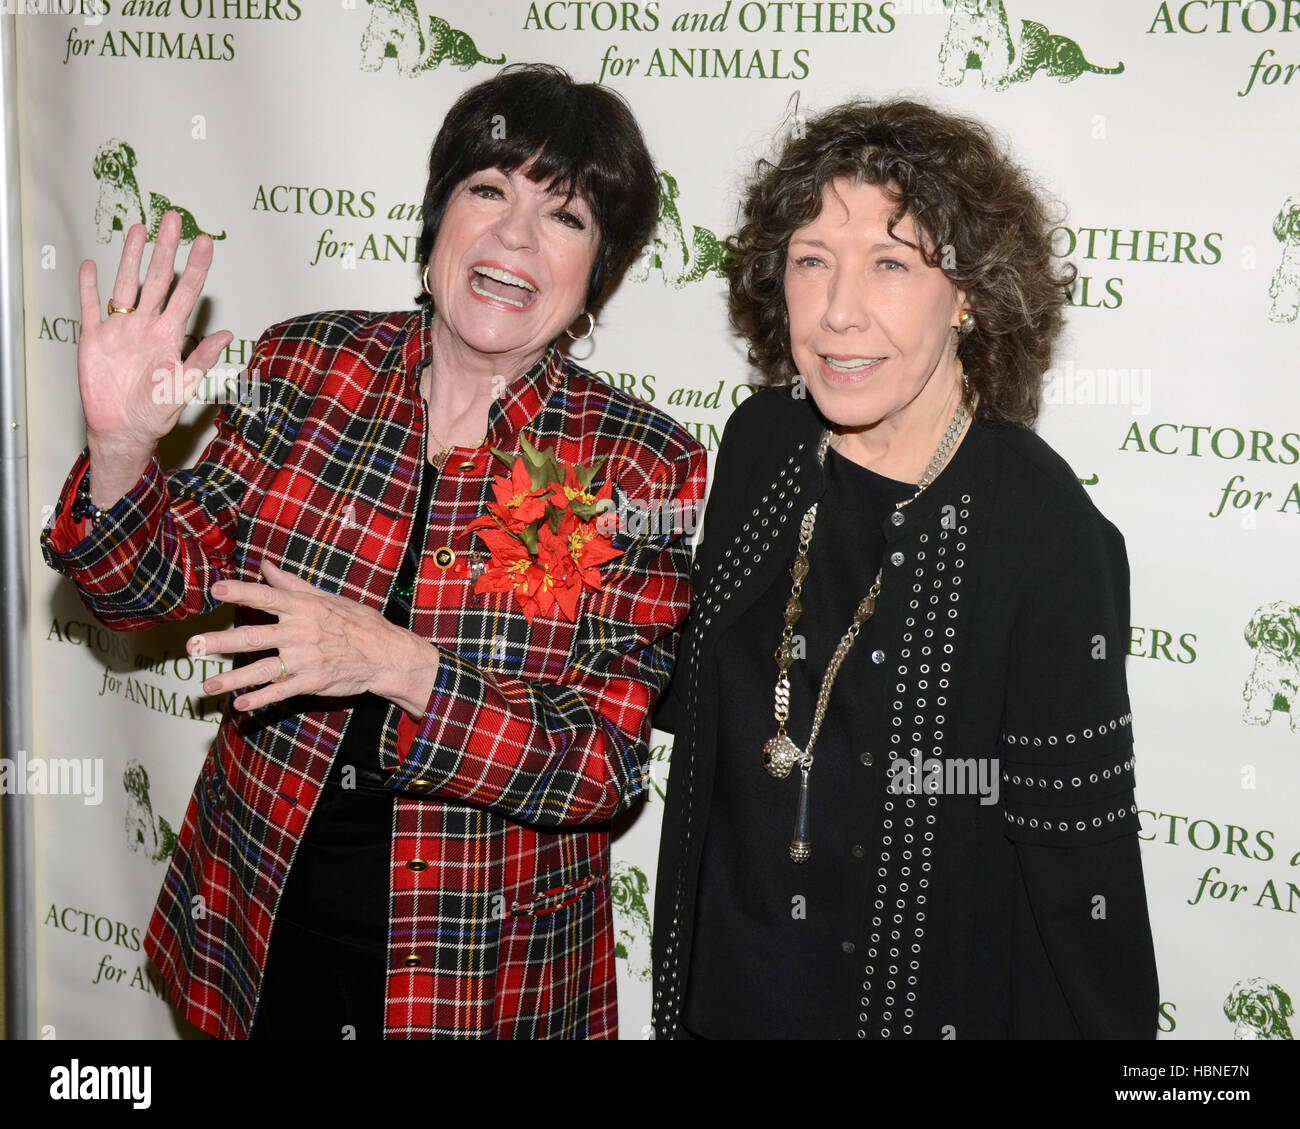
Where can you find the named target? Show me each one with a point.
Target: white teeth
(474, 286)
(504, 276)
(854, 365)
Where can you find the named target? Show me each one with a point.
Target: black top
(760, 919)
(338, 884)
(997, 652)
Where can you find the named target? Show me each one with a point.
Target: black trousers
(325, 973)
(317, 989)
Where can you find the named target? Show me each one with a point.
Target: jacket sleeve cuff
(501, 744)
(76, 548)
(447, 724)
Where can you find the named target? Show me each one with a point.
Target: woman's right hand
(133, 387)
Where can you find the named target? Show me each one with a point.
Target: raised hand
(128, 363)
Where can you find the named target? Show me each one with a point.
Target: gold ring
(284, 671)
(114, 308)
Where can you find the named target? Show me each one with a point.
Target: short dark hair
(981, 219)
(587, 143)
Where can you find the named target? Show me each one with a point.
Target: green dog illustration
(669, 251)
(630, 890)
(1273, 685)
(152, 837)
(979, 38)
(1284, 288)
(121, 203)
(396, 31)
(1258, 1010)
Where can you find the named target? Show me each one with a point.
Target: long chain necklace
(780, 753)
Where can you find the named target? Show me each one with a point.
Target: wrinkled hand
(123, 360)
(330, 646)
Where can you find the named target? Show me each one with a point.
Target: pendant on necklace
(780, 755)
(801, 843)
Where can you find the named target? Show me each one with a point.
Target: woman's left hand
(326, 645)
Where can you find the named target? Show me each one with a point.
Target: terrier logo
(1285, 287)
(1259, 1009)
(1274, 684)
(151, 836)
(979, 38)
(121, 203)
(668, 250)
(630, 890)
(396, 32)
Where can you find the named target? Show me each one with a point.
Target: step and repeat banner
(297, 135)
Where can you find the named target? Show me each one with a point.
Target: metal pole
(17, 811)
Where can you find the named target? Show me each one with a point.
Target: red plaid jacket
(534, 737)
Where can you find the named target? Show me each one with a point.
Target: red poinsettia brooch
(542, 534)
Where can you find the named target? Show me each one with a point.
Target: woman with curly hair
(908, 636)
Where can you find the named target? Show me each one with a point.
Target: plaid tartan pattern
(534, 737)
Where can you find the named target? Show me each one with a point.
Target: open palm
(128, 363)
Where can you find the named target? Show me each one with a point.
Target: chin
(495, 340)
(844, 407)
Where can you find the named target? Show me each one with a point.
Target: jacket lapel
(764, 538)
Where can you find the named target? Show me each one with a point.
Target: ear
(130, 155)
(1283, 1001)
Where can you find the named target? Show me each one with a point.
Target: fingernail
(218, 591)
(211, 685)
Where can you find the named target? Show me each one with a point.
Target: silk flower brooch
(541, 532)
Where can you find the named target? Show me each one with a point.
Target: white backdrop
(299, 132)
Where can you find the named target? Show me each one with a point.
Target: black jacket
(1006, 639)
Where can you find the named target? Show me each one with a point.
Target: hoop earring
(424, 280)
(591, 328)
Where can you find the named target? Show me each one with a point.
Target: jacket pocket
(557, 898)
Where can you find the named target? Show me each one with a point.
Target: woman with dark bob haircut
(901, 804)
(447, 640)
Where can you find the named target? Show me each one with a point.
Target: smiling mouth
(851, 366)
(502, 286)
